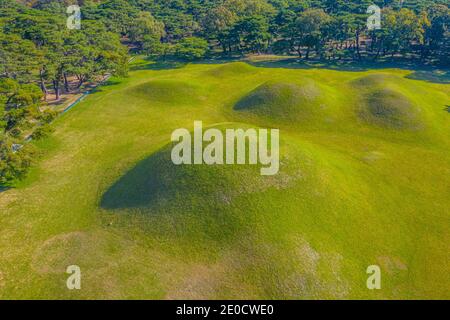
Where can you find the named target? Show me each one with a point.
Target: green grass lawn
(364, 179)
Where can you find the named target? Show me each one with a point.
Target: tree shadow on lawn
(57, 103)
(421, 72)
(170, 63)
(148, 64)
(4, 188)
(432, 75)
(344, 65)
(297, 63)
(108, 83)
(447, 108)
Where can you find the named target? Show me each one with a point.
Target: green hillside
(364, 179)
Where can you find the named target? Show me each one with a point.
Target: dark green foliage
(331, 29)
(14, 164)
(42, 132)
(191, 48)
(17, 101)
(47, 116)
(19, 104)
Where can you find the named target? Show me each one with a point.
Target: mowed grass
(364, 179)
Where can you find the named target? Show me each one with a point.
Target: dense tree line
(327, 29)
(39, 55)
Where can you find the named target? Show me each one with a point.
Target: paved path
(73, 104)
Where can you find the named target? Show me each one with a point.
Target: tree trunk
(358, 52)
(378, 51)
(319, 52)
(66, 83)
(81, 80)
(56, 88)
(42, 84)
(9, 99)
(424, 52)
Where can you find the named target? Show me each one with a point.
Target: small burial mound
(280, 100)
(232, 69)
(166, 91)
(391, 109)
(375, 80)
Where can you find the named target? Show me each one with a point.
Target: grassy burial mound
(235, 69)
(383, 104)
(212, 201)
(391, 109)
(376, 80)
(170, 92)
(156, 182)
(283, 101)
(368, 188)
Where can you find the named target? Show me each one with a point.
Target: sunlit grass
(351, 192)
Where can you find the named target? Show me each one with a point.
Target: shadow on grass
(4, 188)
(141, 186)
(297, 63)
(170, 63)
(56, 103)
(432, 75)
(421, 71)
(110, 82)
(100, 87)
(158, 65)
(447, 108)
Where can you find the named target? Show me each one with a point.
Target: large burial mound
(156, 182)
(215, 201)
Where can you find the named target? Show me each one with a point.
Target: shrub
(47, 116)
(14, 165)
(42, 132)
